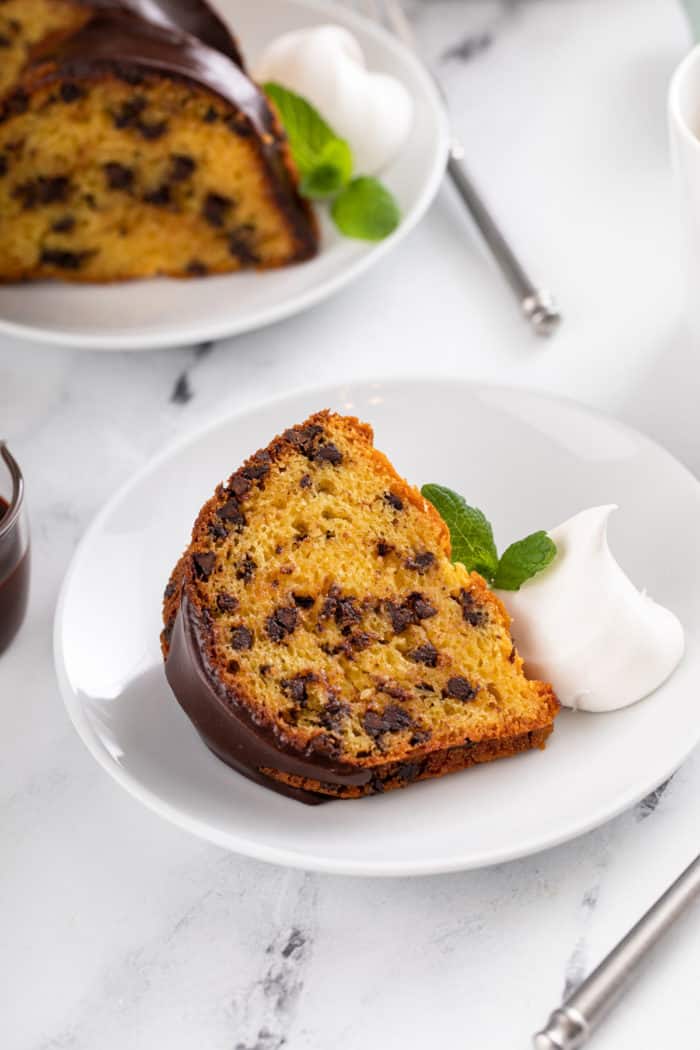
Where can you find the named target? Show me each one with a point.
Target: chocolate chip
(472, 612)
(420, 736)
(384, 548)
(303, 438)
(211, 115)
(246, 568)
(360, 641)
(129, 113)
(304, 601)
(241, 638)
(420, 605)
(64, 225)
(239, 485)
(14, 104)
(393, 500)
(159, 196)
(296, 688)
(181, 166)
(70, 92)
(44, 189)
(329, 454)
(391, 720)
(305, 482)
(64, 260)
(5, 41)
(460, 689)
(239, 125)
(231, 511)
(197, 268)
(226, 602)
(215, 209)
(240, 245)
(204, 564)
(152, 130)
(118, 176)
(3, 165)
(217, 530)
(334, 714)
(420, 562)
(401, 617)
(424, 654)
(281, 623)
(258, 468)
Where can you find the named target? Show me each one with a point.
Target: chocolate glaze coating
(227, 728)
(114, 38)
(193, 16)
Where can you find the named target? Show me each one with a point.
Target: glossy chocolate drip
(116, 39)
(193, 16)
(227, 727)
(14, 581)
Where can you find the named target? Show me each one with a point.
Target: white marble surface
(120, 932)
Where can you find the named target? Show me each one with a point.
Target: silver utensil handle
(570, 1026)
(536, 304)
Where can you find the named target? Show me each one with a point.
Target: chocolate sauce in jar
(14, 577)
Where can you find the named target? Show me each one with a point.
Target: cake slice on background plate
(321, 640)
(128, 149)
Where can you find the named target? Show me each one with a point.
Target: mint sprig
(470, 533)
(473, 544)
(362, 207)
(365, 209)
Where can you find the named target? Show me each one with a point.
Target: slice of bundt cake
(128, 149)
(321, 640)
(24, 23)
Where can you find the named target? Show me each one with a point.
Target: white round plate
(146, 315)
(530, 461)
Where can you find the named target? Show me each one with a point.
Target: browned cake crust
(129, 149)
(320, 639)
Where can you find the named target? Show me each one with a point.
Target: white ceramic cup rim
(676, 106)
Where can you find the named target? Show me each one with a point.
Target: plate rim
(311, 296)
(240, 844)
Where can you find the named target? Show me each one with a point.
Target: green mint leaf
(306, 129)
(470, 533)
(523, 560)
(366, 210)
(330, 173)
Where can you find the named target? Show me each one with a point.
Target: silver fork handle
(536, 304)
(569, 1027)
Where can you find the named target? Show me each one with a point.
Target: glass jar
(14, 548)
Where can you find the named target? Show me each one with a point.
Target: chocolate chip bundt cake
(321, 640)
(130, 149)
(24, 23)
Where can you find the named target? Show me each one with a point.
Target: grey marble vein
(268, 1007)
(182, 391)
(648, 805)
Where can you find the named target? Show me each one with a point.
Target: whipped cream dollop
(325, 64)
(582, 625)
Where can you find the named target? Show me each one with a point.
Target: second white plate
(530, 462)
(146, 315)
